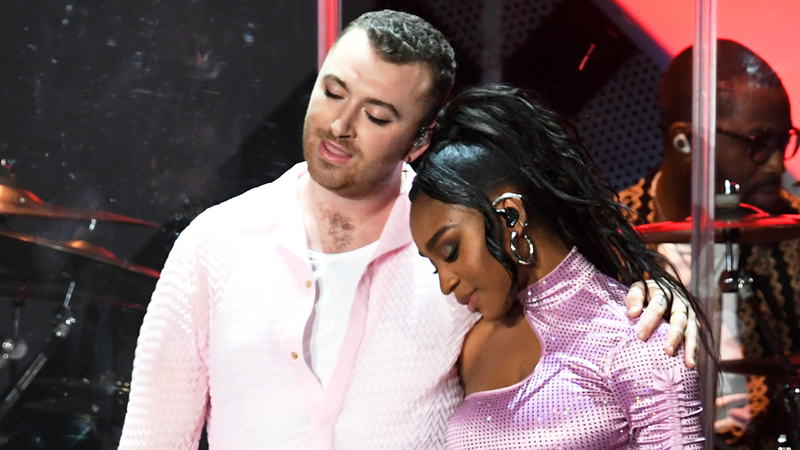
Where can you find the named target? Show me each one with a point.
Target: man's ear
(678, 140)
(423, 138)
(420, 145)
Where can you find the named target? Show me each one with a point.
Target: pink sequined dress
(596, 386)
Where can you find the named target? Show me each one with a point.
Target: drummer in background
(754, 136)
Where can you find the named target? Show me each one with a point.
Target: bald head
(735, 64)
(753, 118)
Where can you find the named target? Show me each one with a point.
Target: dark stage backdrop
(150, 109)
(583, 61)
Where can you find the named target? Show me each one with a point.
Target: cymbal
(20, 202)
(78, 248)
(752, 229)
(47, 266)
(757, 366)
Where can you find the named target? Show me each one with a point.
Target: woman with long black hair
(522, 227)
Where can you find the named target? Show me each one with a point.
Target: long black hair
(497, 136)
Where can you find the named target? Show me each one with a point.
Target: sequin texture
(596, 386)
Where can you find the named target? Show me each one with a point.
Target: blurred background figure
(755, 136)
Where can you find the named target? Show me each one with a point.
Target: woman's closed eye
(451, 253)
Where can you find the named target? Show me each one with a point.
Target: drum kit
(738, 223)
(65, 368)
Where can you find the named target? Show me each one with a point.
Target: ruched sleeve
(659, 394)
(169, 387)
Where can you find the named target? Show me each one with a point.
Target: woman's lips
(470, 301)
(333, 153)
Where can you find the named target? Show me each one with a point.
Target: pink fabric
(222, 340)
(597, 386)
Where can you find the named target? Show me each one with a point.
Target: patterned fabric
(777, 270)
(222, 340)
(597, 386)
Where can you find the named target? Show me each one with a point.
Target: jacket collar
(291, 230)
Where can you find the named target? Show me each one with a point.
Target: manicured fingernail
(692, 361)
(641, 335)
(671, 349)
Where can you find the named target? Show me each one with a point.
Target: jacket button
(309, 283)
(294, 355)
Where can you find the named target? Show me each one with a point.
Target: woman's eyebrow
(436, 236)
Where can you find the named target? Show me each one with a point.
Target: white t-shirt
(336, 276)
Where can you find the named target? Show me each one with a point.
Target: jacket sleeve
(658, 393)
(169, 387)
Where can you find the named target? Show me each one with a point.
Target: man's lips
(764, 197)
(333, 153)
(768, 184)
(766, 189)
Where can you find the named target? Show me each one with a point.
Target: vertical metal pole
(704, 124)
(492, 31)
(329, 23)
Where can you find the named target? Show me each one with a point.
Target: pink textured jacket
(222, 341)
(597, 386)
